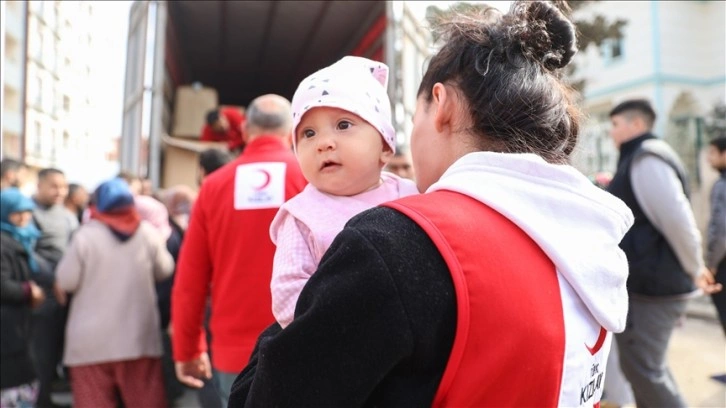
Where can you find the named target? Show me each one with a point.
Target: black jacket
(654, 268)
(14, 314)
(380, 329)
(163, 288)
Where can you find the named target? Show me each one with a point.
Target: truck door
(143, 93)
(408, 47)
(134, 88)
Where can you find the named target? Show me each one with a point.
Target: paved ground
(697, 351)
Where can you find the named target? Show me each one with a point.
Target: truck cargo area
(238, 50)
(247, 48)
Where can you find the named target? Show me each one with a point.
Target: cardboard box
(181, 160)
(190, 110)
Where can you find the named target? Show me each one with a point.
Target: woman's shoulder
(395, 235)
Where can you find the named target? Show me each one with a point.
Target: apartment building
(672, 53)
(58, 70)
(13, 74)
(51, 81)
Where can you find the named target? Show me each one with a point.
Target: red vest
(510, 338)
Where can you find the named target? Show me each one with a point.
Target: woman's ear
(442, 103)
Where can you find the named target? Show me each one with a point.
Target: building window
(36, 139)
(36, 7)
(49, 52)
(612, 49)
(37, 41)
(50, 16)
(66, 139)
(37, 93)
(66, 103)
(53, 147)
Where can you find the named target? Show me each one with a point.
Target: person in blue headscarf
(18, 294)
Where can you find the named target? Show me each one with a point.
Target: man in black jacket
(663, 249)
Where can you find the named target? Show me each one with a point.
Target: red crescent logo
(266, 183)
(600, 341)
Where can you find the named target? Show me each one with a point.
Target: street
(698, 351)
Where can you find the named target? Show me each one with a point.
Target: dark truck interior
(248, 48)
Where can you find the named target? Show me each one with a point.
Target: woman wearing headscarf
(18, 385)
(112, 337)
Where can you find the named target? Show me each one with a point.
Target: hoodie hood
(578, 225)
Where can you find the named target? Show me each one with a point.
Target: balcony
(12, 121)
(13, 74)
(15, 23)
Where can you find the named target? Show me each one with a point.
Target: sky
(419, 7)
(109, 27)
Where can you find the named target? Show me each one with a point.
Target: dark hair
(7, 165)
(49, 172)
(639, 107)
(72, 188)
(128, 176)
(212, 159)
(719, 143)
(212, 117)
(507, 69)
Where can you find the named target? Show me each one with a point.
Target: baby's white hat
(354, 84)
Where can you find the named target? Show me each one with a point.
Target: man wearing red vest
(225, 125)
(227, 250)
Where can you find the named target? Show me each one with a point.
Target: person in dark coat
(716, 237)
(18, 381)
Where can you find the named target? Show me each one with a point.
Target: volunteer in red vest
(225, 125)
(503, 284)
(227, 250)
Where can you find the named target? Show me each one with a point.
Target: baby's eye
(344, 124)
(308, 133)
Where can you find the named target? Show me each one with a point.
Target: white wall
(692, 38)
(691, 50)
(637, 60)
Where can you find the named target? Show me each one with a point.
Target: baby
(343, 137)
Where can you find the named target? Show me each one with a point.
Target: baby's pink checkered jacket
(304, 228)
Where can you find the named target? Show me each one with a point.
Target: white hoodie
(579, 227)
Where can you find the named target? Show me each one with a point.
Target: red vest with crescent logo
(509, 346)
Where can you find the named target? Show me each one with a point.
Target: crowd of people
(86, 288)
(322, 264)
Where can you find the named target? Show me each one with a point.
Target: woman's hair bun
(543, 33)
